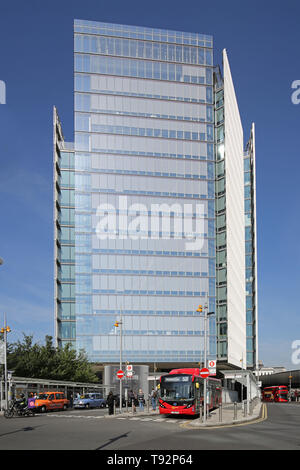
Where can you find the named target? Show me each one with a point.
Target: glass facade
(221, 227)
(141, 212)
(64, 216)
(144, 149)
(250, 253)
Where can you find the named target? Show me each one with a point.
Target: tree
(47, 362)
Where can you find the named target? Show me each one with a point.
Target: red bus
(277, 393)
(182, 391)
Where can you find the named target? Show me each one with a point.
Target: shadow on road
(28, 428)
(112, 440)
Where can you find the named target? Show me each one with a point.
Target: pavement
(227, 417)
(215, 419)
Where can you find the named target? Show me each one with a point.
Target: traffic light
(116, 324)
(199, 309)
(7, 329)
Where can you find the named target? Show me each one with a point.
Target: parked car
(51, 401)
(90, 400)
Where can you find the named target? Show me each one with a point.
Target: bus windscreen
(177, 387)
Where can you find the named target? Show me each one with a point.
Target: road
(90, 430)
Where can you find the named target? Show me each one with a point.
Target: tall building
(149, 202)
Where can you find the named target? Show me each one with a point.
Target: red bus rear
(181, 392)
(276, 393)
(281, 394)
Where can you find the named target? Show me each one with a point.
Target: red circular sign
(204, 373)
(120, 374)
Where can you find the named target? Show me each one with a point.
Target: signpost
(120, 374)
(204, 373)
(212, 367)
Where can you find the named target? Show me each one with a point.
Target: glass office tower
(144, 198)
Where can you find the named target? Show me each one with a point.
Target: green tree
(47, 362)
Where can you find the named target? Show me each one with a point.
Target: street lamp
(206, 315)
(6, 329)
(118, 324)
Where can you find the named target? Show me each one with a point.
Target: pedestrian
(132, 400)
(153, 397)
(110, 403)
(141, 399)
(71, 400)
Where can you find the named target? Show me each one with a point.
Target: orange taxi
(47, 401)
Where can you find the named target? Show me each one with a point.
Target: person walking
(132, 400)
(141, 399)
(153, 397)
(110, 403)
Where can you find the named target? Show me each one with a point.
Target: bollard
(148, 405)
(220, 412)
(114, 407)
(132, 406)
(245, 409)
(201, 413)
(235, 411)
(126, 405)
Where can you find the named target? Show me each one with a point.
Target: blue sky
(36, 62)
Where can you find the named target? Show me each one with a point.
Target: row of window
(87, 304)
(67, 273)
(68, 201)
(147, 132)
(83, 84)
(142, 49)
(68, 179)
(80, 105)
(121, 151)
(141, 69)
(141, 32)
(148, 292)
(69, 252)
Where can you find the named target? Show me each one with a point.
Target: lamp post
(206, 314)
(290, 385)
(6, 329)
(119, 324)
